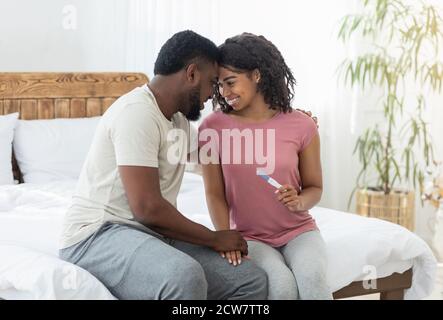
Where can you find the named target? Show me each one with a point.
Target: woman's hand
(234, 257)
(288, 195)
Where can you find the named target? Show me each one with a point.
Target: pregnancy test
(269, 180)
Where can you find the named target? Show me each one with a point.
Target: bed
(366, 255)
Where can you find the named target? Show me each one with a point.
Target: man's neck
(167, 100)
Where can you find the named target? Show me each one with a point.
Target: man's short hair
(181, 49)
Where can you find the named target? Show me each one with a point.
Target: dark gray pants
(135, 265)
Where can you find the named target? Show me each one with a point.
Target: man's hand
(309, 113)
(288, 195)
(229, 240)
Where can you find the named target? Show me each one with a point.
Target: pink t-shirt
(274, 144)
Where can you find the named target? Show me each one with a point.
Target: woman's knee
(313, 284)
(280, 280)
(282, 286)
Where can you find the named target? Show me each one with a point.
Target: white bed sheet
(358, 248)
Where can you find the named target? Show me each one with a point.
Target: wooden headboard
(47, 95)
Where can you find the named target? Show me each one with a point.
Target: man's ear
(192, 73)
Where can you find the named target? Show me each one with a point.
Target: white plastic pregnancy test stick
(269, 180)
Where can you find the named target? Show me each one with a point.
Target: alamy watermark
(232, 146)
(370, 280)
(69, 21)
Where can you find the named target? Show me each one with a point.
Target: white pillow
(49, 150)
(30, 274)
(7, 125)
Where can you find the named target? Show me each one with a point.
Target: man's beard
(194, 103)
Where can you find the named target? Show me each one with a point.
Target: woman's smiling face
(237, 88)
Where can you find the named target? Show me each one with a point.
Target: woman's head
(251, 66)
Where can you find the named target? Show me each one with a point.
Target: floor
(437, 294)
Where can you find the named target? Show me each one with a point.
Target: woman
(253, 97)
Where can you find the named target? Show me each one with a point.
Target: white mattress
(358, 248)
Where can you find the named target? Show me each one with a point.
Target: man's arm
(142, 188)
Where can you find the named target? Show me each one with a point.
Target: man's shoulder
(138, 100)
(134, 104)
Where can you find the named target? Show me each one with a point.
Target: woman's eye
(230, 83)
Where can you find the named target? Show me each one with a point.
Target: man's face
(198, 95)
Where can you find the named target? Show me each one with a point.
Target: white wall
(33, 37)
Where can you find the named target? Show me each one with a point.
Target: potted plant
(403, 49)
(433, 193)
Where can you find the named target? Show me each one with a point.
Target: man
(123, 225)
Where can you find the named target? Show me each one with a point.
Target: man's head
(193, 59)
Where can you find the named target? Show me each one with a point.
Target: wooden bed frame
(62, 95)
(78, 95)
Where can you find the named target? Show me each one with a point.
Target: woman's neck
(258, 110)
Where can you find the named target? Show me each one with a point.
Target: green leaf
(415, 31)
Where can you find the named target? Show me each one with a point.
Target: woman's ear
(256, 75)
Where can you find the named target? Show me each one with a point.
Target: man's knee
(254, 283)
(260, 282)
(186, 281)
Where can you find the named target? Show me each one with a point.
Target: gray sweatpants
(296, 270)
(135, 265)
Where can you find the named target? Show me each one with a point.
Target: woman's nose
(224, 91)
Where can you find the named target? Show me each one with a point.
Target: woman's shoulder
(296, 113)
(298, 116)
(301, 120)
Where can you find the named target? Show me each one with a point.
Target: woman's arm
(217, 205)
(311, 179)
(311, 174)
(215, 196)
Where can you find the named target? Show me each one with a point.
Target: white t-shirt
(133, 132)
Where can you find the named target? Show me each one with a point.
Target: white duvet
(30, 221)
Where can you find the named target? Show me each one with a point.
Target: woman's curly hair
(247, 52)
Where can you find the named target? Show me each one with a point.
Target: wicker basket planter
(397, 206)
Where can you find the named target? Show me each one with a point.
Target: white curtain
(150, 23)
(126, 35)
(304, 31)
